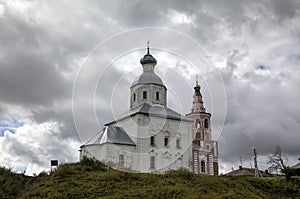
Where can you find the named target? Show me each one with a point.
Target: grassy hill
(91, 179)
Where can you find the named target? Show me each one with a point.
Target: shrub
(93, 164)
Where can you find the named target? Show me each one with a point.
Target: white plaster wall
(166, 157)
(109, 153)
(151, 95)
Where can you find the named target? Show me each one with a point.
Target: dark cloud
(259, 115)
(285, 9)
(27, 79)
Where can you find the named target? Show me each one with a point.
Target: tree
(278, 162)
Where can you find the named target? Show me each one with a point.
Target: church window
(152, 141)
(166, 141)
(145, 95)
(157, 95)
(121, 160)
(178, 143)
(152, 162)
(206, 123)
(203, 166)
(134, 96)
(197, 123)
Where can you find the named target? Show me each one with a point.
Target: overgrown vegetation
(12, 184)
(91, 179)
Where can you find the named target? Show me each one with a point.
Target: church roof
(297, 166)
(247, 172)
(111, 134)
(147, 109)
(148, 78)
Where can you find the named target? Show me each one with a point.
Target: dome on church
(148, 78)
(197, 86)
(148, 59)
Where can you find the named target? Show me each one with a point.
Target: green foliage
(92, 179)
(93, 164)
(276, 185)
(289, 172)
(11, 184)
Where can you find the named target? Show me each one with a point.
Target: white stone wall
(141, 127)
(151, 90)
(109, 154)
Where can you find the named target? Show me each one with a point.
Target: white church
(152, 138)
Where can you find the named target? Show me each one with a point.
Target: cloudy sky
(66, 68)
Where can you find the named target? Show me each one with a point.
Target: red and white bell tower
(205, 150)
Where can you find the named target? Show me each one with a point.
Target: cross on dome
(148, 58)
(148, 43)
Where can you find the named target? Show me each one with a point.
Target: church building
(153, 138)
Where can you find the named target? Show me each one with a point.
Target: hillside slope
(12, 185)
(91, 179)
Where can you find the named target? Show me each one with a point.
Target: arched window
(144, 94)
(157, 95)
(202, 166)
(152, 141)
(178, 143)
(134, 97)
(166, 141)
(197, 123)
(206, 123)
(152, 162)
(121, 160)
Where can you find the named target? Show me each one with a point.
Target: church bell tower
(205, 150)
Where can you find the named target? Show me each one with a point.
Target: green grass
(91, 179)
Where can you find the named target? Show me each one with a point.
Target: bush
(11, 184)
(93, 164)
(289, 172)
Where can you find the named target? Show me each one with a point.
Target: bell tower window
(144, 94)
(202, 166)
(206, 123)
(197, 123)
(134, 97)
(157, 95)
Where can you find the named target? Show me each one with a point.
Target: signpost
(54, 164)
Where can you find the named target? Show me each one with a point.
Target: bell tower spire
(197, 99)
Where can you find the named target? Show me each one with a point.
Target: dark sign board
(54, 162)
